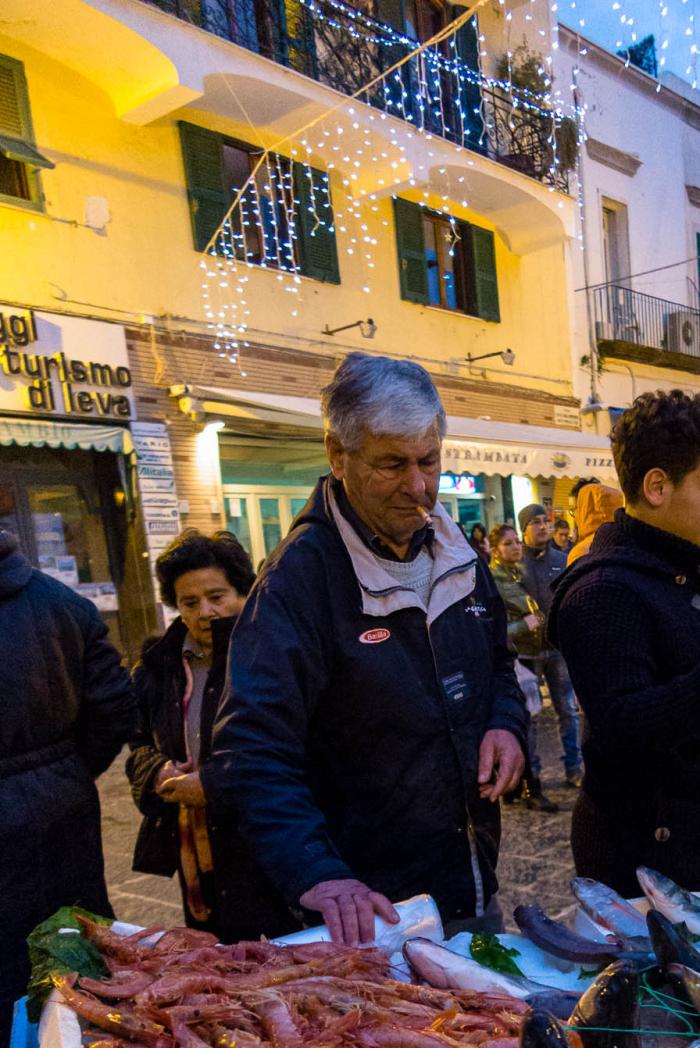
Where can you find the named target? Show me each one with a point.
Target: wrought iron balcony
(635, 326)
(436, 91)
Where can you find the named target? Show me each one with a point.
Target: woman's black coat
(245, 905)
(66, 708)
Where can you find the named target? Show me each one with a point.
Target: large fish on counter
(679, 905)
(446, 970)
(609, 910)
(556, 939)
(607, 1014)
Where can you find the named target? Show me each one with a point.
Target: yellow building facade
(124, 129)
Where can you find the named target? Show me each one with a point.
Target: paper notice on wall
(158, 494)
(63, 568)
(102, 594)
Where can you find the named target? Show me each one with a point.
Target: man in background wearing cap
(541, 566)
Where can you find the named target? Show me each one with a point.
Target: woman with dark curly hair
(178, 683)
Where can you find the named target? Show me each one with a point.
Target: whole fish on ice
(670, 899)
(608, 909)
(446, 970)
(558, 940)
(671, 946)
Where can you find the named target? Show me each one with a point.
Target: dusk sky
(603, 23)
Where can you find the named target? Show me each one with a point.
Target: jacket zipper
(446, 574)
(471, 832)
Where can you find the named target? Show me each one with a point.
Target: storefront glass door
(260, 516)
(8, 510)
(67, 509)
(271, 523)
(68, 534)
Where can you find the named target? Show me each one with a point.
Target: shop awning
(298, 412)
(480, 446)
(39, 434)
(471, 446)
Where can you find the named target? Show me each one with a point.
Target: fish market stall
(631, 981)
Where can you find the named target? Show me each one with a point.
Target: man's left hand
(183, 789)
(499, 752)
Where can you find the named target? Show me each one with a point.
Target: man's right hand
(533, 622)
(348, 909)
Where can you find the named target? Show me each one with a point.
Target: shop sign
(567, 415)
(463, 456)
(56, 365)
(485, 454)
(156, 480)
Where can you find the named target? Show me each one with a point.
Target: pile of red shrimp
(188, 992)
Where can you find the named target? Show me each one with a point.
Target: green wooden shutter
(467, 42)
(391, 13)
(484, 270)
(17, 133)
(318, 253)
(410, 245)
(15, 120)
(204, 171)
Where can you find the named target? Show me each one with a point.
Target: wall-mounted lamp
(593, 405)
(506, 355)
(367, 328)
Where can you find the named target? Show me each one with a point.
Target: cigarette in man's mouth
(427, 519)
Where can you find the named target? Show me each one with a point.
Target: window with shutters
(20, 160)
(283, 216)
(445, 262)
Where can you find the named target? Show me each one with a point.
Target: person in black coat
(178, 684)
(373, 716)
(66, 708)
(627, 619)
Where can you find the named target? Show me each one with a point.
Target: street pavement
(535, 864)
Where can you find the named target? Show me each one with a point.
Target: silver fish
(608, 909)
(446, 970)
(670, 899)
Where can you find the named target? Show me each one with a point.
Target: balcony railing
(641, 327)
(436, 91)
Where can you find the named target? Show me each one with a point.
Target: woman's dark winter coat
(66, 708)
(244, 904)
(626, 618)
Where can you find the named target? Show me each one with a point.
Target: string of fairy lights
(329, 179)
(635, 22)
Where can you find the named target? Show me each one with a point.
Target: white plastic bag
(419, 917)
(530, 687)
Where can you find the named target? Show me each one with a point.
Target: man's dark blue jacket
(349, 737)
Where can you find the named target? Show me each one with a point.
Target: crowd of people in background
(333, 735)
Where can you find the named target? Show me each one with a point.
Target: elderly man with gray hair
(373, 717)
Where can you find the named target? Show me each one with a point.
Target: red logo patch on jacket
(374, 636)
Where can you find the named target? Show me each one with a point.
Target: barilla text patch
(374, 636)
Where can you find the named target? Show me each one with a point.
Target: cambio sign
(55, 365)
